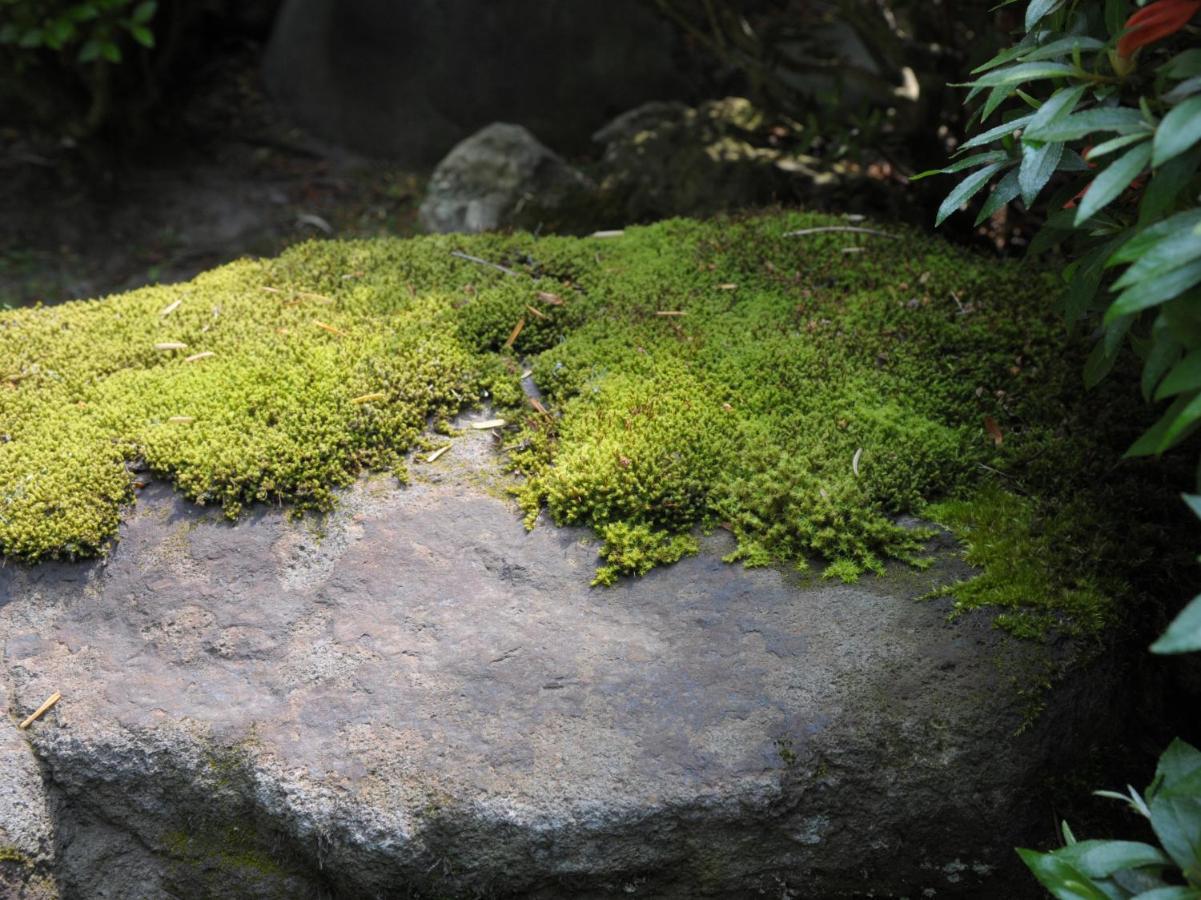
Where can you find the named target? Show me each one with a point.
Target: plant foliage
(1095, 113)
(1115, 870)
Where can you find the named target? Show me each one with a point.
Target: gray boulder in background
(504, 176)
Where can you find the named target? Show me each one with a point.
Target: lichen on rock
(801, 390)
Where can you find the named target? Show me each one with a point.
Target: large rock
(408, 79)
(502, 176)
(422, 699)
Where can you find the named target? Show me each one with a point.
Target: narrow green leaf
(1030, 40)
(996, 97)
(1171, 892)
(1038, 165)
(966, 163)
(1185, 375)
(1179, 130)
(1061, 878)
(1039, 10)
(1100, 859)
(1184, 423)
(1007, 189)
(1163, 357)
(1164, 256)
(1107, 186)
(144, 12)
(1183, 90)
(1141, 242)
(999, 131)
(1120, 120)
(1062, 47)
(1152, 439)
(1182, 65)
(1184, 634)
(964, 191)
(142, 35)
(1164, 193)
(1107, 147)
(1022, 73)
(1058, 106)
(1155, 290)
(1116, 13)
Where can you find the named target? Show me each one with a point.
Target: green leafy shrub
(1105, 870)
(56, 56)
(1098, 111)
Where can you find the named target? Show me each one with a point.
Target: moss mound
(802, 391)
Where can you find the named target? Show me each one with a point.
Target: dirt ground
(231, 179)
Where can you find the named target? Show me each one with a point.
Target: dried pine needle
(514, 333)
(370, 398)
(330, 328)
(41, 710)
(433, 457)
(170, 345)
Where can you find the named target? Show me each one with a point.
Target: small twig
(854, 229)
(41, 710)
(459, 254)
(433, 457)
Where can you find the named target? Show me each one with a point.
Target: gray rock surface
(502, 175)
(418, 698)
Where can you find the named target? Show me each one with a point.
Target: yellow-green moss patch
(802, 391)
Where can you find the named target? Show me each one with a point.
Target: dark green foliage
(1103, 869)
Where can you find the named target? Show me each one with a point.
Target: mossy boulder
(289, 674)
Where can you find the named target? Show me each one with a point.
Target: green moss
(1024, 552)
(799, 396)
(12, 855)
(236, 850)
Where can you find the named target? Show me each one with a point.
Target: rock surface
(422, 699)
(658, 160)
(500, 176)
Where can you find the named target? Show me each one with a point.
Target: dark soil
(227, 178)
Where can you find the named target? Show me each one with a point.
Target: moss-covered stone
(801, 391)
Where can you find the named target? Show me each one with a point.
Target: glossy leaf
(1038, 10)
(1163, 256)
(1179, 130)
(1060, 877)
(1006, 190)
(1078, 125)
(965, 190)
(1109, 185)
(1038, 165)
(1184, 634)
(1155, 290)
(1183, 376)
(1023, 72)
